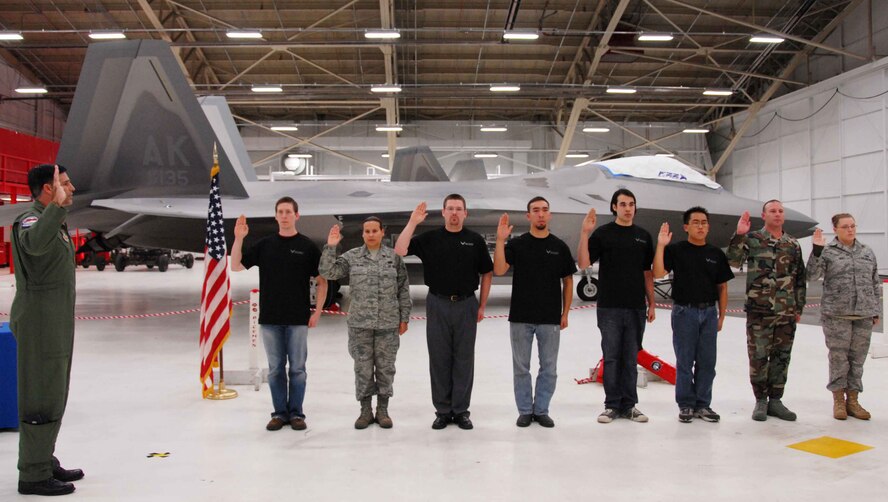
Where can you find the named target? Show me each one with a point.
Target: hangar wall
(37, 117)
(822, 150)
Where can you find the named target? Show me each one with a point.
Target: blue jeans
(286, 343)
(548, 338)
(694, 337)
(621, 333)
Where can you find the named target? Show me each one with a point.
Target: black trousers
(450, 333)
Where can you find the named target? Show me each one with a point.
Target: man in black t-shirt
(287, 261)
(453, 258)
(542, 289)
(625, 282)
(700, 296)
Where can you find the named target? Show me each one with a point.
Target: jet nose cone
(798, 224)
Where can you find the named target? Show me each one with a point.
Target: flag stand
(220, 392)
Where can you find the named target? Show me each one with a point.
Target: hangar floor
(135, 391)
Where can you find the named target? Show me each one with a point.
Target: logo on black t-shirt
(549, 251)
(640, 240)
(467, 243)
(296, 251)
(710, 260)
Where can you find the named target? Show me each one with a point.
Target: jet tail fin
(135, 127)
(417, 163)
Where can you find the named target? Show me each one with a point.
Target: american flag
(215, 300)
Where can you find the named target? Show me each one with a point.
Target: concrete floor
(135, 391)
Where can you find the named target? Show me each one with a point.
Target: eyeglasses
(848, 227)
(697, 223)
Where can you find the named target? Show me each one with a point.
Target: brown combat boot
(382, 416)
(839, 410)
(366, 417)
(854, 408)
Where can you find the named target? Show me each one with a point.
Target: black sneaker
(47, 487)
(607, 416)
(707, 415)
(62, 474)
(686, 415)
(463, 421)
(544, 420)
(440, 422)
(635, 415)
(524, 420)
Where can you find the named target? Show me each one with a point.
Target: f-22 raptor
(138, 145)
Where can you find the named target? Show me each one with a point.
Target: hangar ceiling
(449, 53)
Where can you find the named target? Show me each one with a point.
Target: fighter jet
(138, 145)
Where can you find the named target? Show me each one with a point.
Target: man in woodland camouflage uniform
(379, 311)
(775, 297)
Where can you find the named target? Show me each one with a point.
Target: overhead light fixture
(718, 92)
(485, 155)
(766, 39)
(505, 88)
(655, 37)
(389, 128)
(385, 155)
(11, 35)
(267, 88)
(664, 155)
(106, 35)
(494, 129)
(620, 90)
(520, 35)
(31, 90)
(382, 34)
(385, 88)
(596, 129)
(244, 34)
(577, 156)
(695, 131)
(299, 155)
(284, 128)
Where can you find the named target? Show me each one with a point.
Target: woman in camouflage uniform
(851, 305)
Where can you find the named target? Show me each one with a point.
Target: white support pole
(879, 345)
(253, 375)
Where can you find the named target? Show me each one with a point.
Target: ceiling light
(577, 155)
(520, 35)
(695, 131)
(11, 35)
(382, 34)
(299, 155)
(385, 88)
(485, 155)
(389, 128)
(718, 92)
(267, 88)
(596, 129)
(664, 155)
(505, 88)
(244, 34)
(385, 155)
(494, 129)
(284, 128)
(106, 35)
(766, 39)
(31, 90)
(655, 37)
(620, 90)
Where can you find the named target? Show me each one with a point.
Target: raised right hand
(665, 235)
(58, 193)
(419, 214)
(818, 239)
(240, 227)
(743, 224)
(503, 230)
(589, 221)
(335, 237)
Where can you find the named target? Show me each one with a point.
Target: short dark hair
(455, 196)
(286, 200)
(770, 201)
(837, 218)
(371, 219)
(696, 209)
(617, 194)
(41, 175)
(536, 199)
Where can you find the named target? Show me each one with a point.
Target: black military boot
(47, 487)
(63, 474)
(366, 417)
(382, 416)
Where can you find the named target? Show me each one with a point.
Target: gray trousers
(848, 343)
(450, 333)
(374, 352)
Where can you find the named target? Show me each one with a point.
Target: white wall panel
(868, 85)
(795, 150)
(824, 209)
(865, 173)
(828, 107)
(868, 209)
(769, 156)
(826, 143)
(743, 162)
(769, 186)
(796, 184)
(863, 134)
(746, 186)
(827, 180)
(795, 112)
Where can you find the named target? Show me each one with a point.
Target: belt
(454, 298)
(703, 305)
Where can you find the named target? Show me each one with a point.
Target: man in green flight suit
(42, 320)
